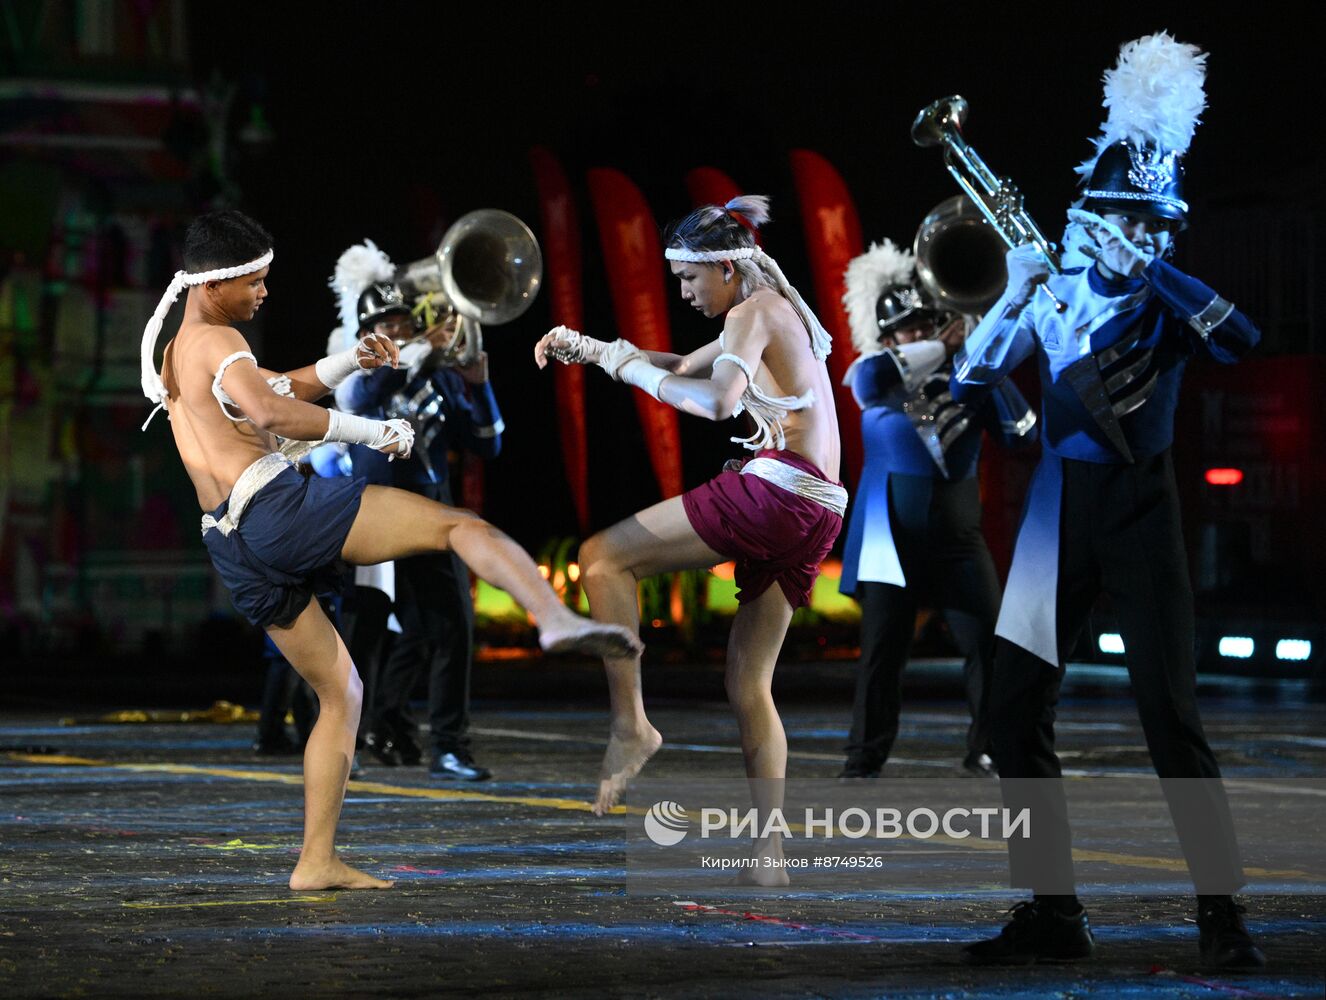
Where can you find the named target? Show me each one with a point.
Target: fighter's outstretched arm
(291, 418)
(316, 380)
(713, 392)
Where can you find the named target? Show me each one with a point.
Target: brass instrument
(486, 271)
(960, 257)
(997, 198)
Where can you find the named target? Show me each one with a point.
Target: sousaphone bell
(486, 271)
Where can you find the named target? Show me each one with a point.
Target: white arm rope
(219, 391)
(766, 412)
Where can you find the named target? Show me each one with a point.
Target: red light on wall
(1224, 477)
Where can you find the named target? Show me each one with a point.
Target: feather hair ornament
(360, 266)
(868, 275)
(1154, 95)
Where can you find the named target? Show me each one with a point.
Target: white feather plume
(867, 276)
(360, 266)
(1155, 95)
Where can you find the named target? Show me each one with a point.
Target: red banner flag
(833, 238)
(565, 283)
(633, 256)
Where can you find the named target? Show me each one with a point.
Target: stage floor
(151, 860)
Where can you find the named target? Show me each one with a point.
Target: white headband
(710, 256)
(153, 388)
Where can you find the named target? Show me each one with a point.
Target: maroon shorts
(773, 535)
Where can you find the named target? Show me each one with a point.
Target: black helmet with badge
(380, 300)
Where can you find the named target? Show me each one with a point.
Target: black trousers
(937, 532)
(1119, 533)
(436, 614)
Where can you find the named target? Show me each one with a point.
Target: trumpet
(486, 271)
(997, 198)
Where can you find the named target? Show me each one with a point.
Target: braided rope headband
(710, 256)
(153, 388)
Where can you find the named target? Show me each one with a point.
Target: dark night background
(393, 120)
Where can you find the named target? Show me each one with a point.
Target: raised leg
(394, 523)
(315, 650)
(612, 563)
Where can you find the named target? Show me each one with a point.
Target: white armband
(376, 434)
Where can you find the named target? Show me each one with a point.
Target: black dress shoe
(1037, 933)
(859, 770)
(278, 744)
(457, 765)
(1223, 939)
(979, 764)
(407, 747)
(382, 746)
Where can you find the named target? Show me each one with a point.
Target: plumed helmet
(1154, 96)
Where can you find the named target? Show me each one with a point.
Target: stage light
(1224, 477)
(1293, 649)
(1238, 647)
(1110, 642)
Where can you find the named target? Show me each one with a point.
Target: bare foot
(573, 634)
(333, 874)
(769, 878)
(622, 761)
(768, 871)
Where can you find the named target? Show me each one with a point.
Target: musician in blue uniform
(1103, 510)
(915, 532)
(450, 408)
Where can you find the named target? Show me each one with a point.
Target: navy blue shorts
(288, 545)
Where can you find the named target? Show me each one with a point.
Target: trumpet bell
(960, 257)
(940, 121)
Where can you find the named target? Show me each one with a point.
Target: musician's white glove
(570, 347)
(1027, 268)
(395, 437)
(373, 351)
(1111, 247)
